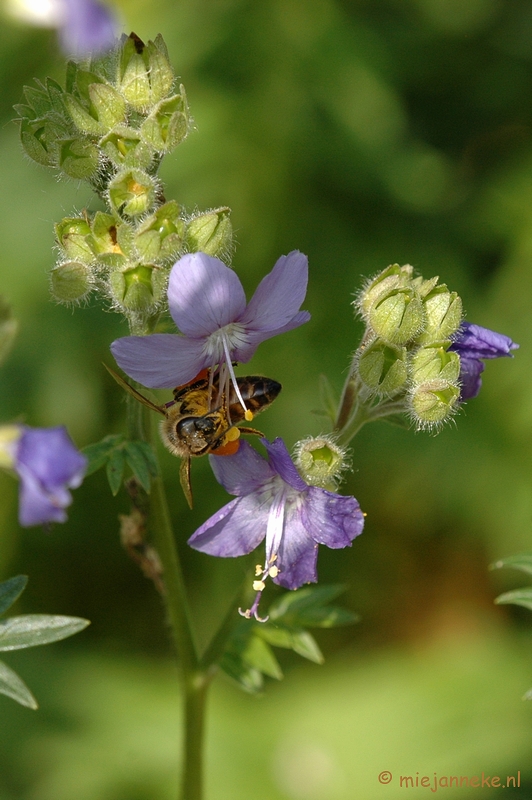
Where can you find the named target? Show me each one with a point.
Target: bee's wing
(137, 395)
(184, 477)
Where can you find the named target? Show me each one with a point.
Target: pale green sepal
(430, 363)
(398, 316)
(320, 461)
(167, 125)
(11, 590)
(133, 80)
(33, 140)
(393, 277)
(160, 69)
(14, 687)
(522, 562)
(104, 239)
(518, 597)
(132, 192)
(8, 329)
(30, 630)
(443, 311)
(71, 234)
(210, 233)
(160, 236)
(138, 289)
(81, 118)
(424, 286)
(383, 368)
(433, 402)
(77, 158)
(108, 104)
(125, 148)
(71, 281)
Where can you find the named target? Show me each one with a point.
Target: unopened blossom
(48, 465)
(472, 344)
(208, 305)
(274, 503)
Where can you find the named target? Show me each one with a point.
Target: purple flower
(473, 343)
(274, 503)
(47, 464)
(86, 27)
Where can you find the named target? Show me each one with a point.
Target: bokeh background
(362, 132)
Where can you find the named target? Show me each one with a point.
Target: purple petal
(282, 463)
(88, 27)
(297, 554)
(246, 351)
(161, 360)
(235, 530)
(279, 295)
(37, 506)
(50, 455)
(470, 381)
(473, 341)
(242, 473)
(204, 295)
(331, 519)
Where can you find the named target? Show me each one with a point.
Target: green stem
(194, 729)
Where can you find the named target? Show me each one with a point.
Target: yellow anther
(258, 586)
(248, 416)
(273, 558)
(258, 570)
(273, 572)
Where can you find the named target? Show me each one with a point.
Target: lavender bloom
(473, 343)
(86, 27)
(208, 304)
(275, 503)
(48, 465)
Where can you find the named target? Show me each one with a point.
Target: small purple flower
(472, 344)
(274, 503)
(47, 464)
(208, 304)
(86, 27)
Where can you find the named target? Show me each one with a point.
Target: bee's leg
(251, 431)
(184, 478)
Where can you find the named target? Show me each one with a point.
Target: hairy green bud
(168, 123)
(160, 237)
(102, 109)
(71, 282)
(106, 239)
(210, 233)
(397, 316)
(383, 368)
(393, 277)
(433, 402)
(71, 234)
(145, 75)
(78, 158)
(320, 461)
(430, 363)
(132, 192)
(138, 289)
(125, 148)
(443, 311)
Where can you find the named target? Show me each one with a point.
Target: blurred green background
(361, 132)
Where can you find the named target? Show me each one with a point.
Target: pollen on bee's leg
(248, 416)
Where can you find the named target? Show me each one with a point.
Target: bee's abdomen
(257, 392)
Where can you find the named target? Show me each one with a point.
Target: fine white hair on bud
(321, 461)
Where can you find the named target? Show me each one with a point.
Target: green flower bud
(393, 277)
(430, 363)
(433, 402)
(138, 289)
(9, 434)
(210, 233)
(71, 234)
(124, 147)
(145, 75)
(8, 329)
(71, 282)
(167, 125)
(160, 237)
(43, 121)
(78, 158)
(107, 238)
(320, 461)
(443, 310)
(132, 192)
(398, 316)
(383, 368)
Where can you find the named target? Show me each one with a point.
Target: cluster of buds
(410, 324)
(111, 126)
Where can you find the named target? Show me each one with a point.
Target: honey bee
(201, 419)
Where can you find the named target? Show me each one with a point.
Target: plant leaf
(307, 607)
(519, 597)
(247, 677)
(30, 630)
(13, 686)
(115, 469)
(522, 562)
(10, 590)
(259, 655)
(98, 453)
(141, 459)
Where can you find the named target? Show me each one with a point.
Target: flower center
(218, 347)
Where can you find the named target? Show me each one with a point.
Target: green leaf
(10, 590)
(13, 686)
(522, 562)
(307, 608)
(259, 655)
(115, 469)
(298, 640)
(141, 459)
(30, 630)
(247, 677)
(519, 597)
(329, 401)
(98, 453)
